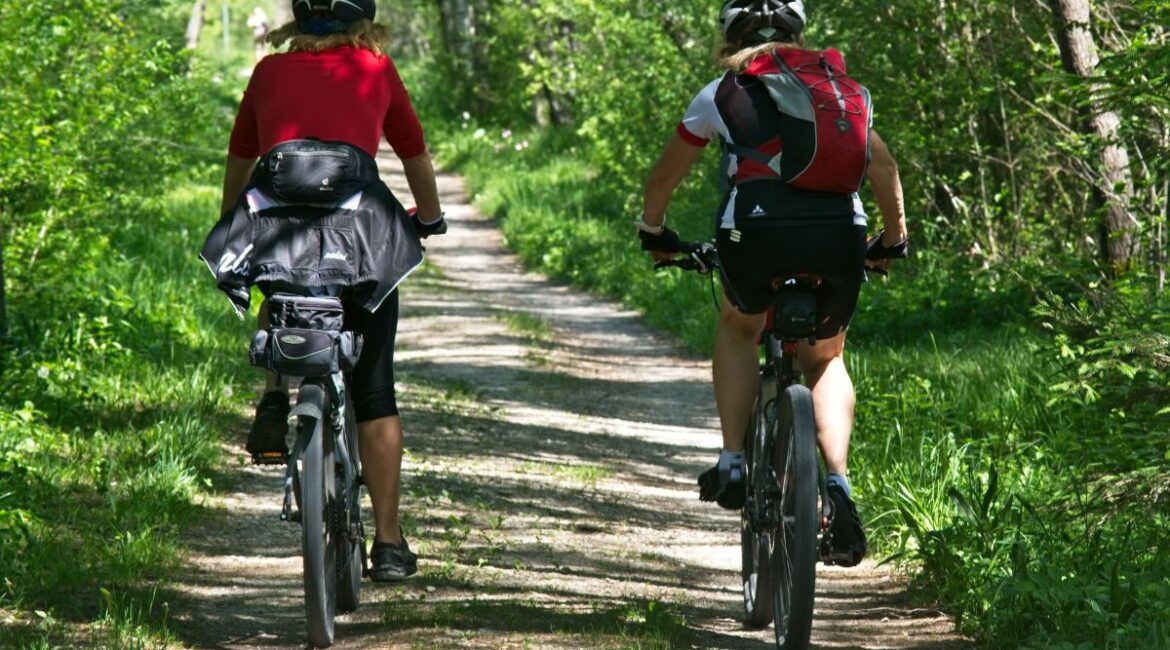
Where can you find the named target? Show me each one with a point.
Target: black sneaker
(266, 439)
(392, 562)
(847, 545)
(726, 486)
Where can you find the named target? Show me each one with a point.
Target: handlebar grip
(685, 264)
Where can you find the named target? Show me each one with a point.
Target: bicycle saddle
(796, 281)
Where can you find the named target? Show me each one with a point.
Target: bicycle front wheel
(349, 528)
(318, 541)
(757, 535)
(794, 556)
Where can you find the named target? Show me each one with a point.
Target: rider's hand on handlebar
(883, 248)
(663, 246)
(434, 227)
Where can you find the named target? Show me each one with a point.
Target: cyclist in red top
(767, 228)
(336, 83)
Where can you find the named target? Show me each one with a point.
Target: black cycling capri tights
(834, 251)
(371, 384)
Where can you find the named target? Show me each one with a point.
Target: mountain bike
(323, 476)
(784, 522)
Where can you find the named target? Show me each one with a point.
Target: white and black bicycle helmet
(347, 11)
(754, 22)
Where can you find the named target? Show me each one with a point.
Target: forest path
(553, 443)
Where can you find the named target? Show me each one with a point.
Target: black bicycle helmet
(347, 11)
(754, 22)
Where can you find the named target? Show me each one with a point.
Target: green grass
(585, 474)
(115, 398)
(451, 395)
(527, 325)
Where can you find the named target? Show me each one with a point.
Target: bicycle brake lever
(700, 265)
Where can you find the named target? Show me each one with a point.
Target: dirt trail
(549, 487)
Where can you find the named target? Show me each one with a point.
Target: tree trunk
(458, 28)
(3, 296)
(195, 24)
(1078, 52)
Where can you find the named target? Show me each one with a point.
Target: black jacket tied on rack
(359, 237)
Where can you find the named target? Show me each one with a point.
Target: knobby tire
(794, 556)
(756, 541)
(318, 543)
(349, 556)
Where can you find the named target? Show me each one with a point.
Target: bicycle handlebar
(701, 257)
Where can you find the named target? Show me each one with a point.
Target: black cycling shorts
(834, 250)
(371, 384)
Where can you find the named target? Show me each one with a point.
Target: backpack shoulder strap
(730, 148)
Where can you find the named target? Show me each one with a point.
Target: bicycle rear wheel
(318, 541)
(756, 537)
(349, 555)
(794, 555)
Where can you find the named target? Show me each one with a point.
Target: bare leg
(380, 441)
(833, 398)
(734, 368)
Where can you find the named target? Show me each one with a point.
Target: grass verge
(115, 395)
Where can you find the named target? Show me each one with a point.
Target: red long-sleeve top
(345, 94)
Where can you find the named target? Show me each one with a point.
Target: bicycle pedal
(270, 458)
(294, 517)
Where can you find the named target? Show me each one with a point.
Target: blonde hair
(736, 58)
(360, 34)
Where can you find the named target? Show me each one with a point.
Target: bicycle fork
(302, 409)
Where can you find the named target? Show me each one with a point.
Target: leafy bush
(113, 387)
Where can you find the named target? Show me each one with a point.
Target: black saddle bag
(796, 314)
(314, 171)
(305, 337)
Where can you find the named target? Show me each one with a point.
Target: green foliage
(1018, 511)
(116, 376)
(111, 407)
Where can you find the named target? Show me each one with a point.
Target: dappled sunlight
(553, 442)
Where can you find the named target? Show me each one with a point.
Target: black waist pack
(305, 337)
(314, 171)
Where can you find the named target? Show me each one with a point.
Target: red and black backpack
(825, 134)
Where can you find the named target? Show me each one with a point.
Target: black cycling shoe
(726, 486)
(847, 544)
(266, 440)
(392, 562)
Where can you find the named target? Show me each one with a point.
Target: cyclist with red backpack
(798, 142)
(331, 97)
